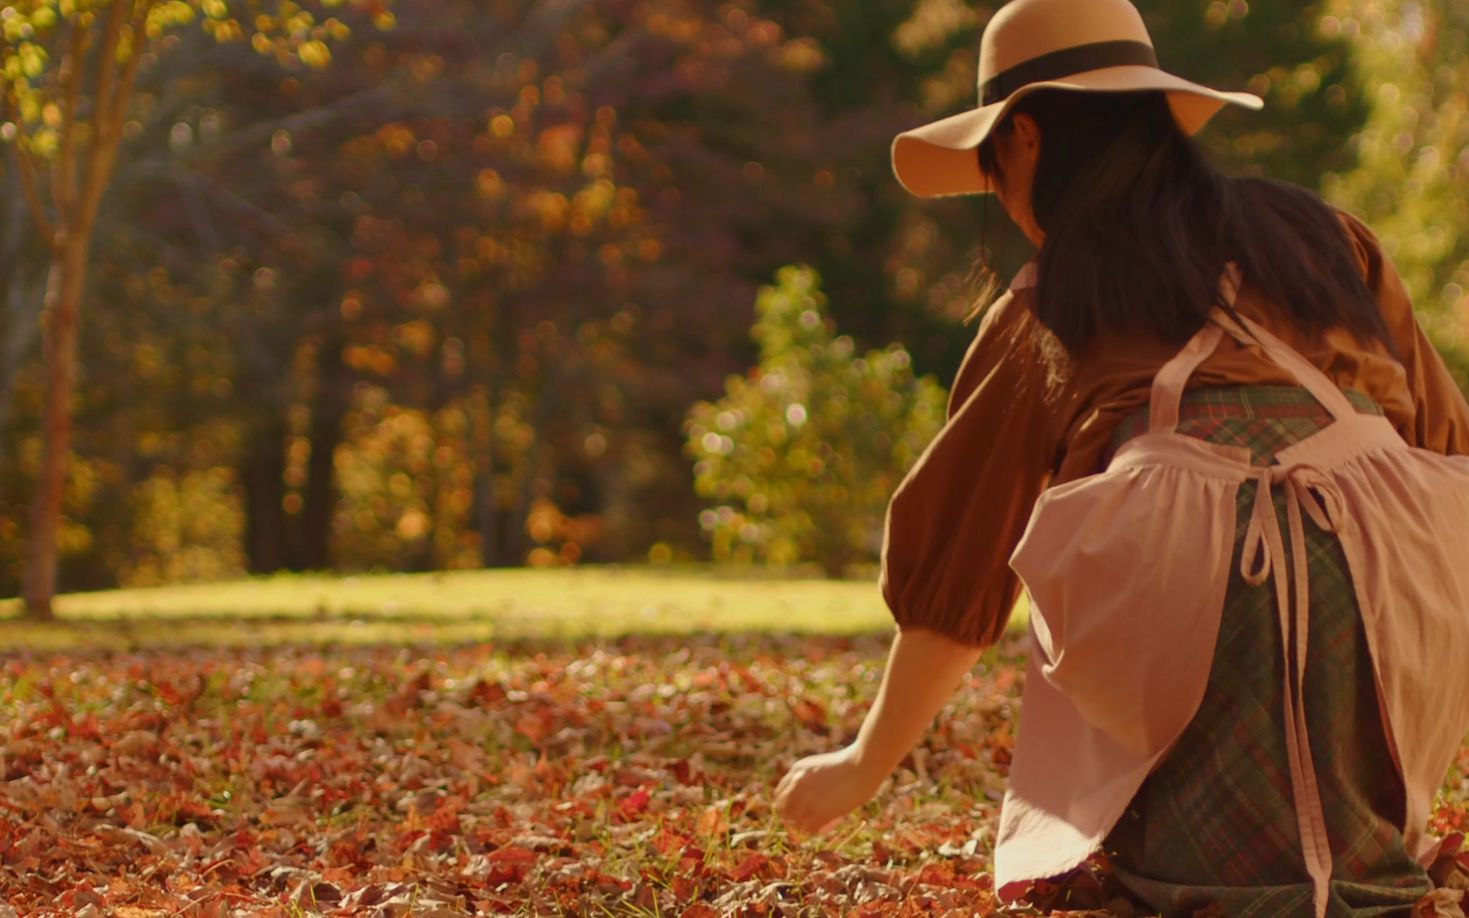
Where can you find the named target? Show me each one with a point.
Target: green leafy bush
(800, 458)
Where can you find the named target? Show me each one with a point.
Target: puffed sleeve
(1441, 416)
(956, 518)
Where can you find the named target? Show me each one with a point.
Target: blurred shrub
(558, 538)
(800, 458)
(406, 489)
(185, 528)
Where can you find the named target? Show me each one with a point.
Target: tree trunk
(60, 319)
(486, 519)
(319, 499)
(262, 473)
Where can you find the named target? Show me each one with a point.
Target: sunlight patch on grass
(456, 607)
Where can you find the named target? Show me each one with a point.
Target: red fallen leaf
(1012, 892)
(668, 842)
(713, 822)
(748, 680)
(347, 850)
(251, 861)
(408, 697)
(685, 888)
(607, 883)
(87, 728)
(699, 910)
(445, 817)
(512, 854)
(635, 803)
(506, 873)
(133, 815)
(181, 807)
(1002, 747)
(534, 727)
(755, 865)
(691, 864)
(1449, 820)
(181, 696)
(485, 693)
(318, 893)
(406, 839)
(686, 772)
(811, 714)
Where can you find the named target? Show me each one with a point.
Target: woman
(1206, 430)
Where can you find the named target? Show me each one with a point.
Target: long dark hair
(1139, 226)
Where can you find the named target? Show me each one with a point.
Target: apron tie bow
(1308, 493)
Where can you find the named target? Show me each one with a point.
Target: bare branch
(80, 220)
(73, 72)
(249, 138)
(111, 130)
(106, 62)
(114, 95)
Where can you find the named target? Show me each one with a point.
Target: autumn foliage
(629, 777)
(625, 777)
(434, 284)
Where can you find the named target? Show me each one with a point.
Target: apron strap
(1287, 358)
(1169, 383)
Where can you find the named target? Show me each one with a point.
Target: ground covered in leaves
(600, 777)
(605, 777)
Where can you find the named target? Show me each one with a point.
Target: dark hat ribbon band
(1065, 63)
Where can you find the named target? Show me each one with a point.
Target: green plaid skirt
(1214, 826)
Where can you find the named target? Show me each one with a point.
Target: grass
(457, 607)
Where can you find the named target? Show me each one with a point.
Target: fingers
(787, 800)
(794, 804)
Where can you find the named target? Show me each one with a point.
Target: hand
(820, 789)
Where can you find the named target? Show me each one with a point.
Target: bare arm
(923, 670)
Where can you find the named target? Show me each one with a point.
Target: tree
(801, 456)
(69, 70)
(1412, 156)
(570, 209)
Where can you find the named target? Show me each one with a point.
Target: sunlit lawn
(456, 607)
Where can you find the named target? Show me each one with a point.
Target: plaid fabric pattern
(1233, 415)
(1215, 826)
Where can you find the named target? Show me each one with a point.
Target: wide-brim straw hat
(1082, 45)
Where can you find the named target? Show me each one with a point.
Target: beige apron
(1127, 572)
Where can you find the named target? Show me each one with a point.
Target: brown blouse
(1012, 431)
